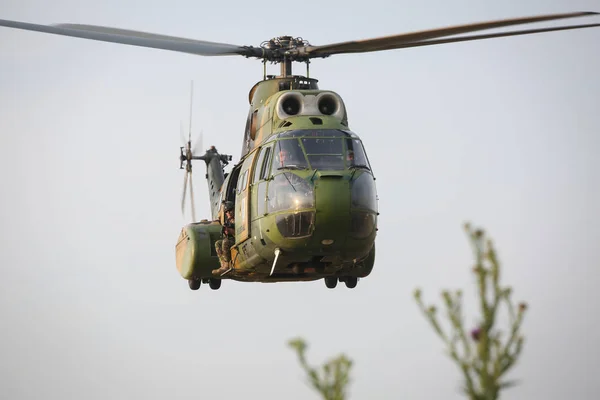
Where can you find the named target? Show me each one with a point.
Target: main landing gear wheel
(331, 281)
(214, 283)
(351, 282)
(194, 284)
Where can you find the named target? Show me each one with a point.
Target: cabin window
(253, 124)
(296, 225)
(242, 182)
(288, 154)
(364, 194)
(324, 153)
(363, 224)
(245, 174)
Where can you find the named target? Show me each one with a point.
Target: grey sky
(504, 133)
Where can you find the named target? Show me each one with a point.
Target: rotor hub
(284, 48)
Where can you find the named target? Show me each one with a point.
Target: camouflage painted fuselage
(303, 189)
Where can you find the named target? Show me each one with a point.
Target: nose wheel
(351, 282)
(214, 283)
(332, 281)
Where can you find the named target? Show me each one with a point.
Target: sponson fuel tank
(195, 251)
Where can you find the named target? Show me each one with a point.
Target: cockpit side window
(264, 171)
(261, 173)
(259, 165)
(355, 154)
(287, 153)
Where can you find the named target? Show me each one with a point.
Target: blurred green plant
(334, 377)
(482, 356)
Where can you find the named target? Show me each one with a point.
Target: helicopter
(303, 192)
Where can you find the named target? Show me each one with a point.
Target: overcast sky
(504, 133)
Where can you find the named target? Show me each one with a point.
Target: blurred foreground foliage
(332, 379)
(482, 355)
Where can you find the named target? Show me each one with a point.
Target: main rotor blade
(136, 38)
(494, 35)
(401, 40)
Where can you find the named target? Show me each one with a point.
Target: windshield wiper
(361, 166)
(292, 166)
(290, 182)
(356, 167)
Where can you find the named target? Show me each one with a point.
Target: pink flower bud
(475, 334)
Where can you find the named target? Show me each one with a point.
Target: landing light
(327, 241)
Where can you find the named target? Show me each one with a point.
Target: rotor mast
(286, 67)
(284, 50)
(287, 43)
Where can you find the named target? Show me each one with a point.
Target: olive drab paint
(294, 204)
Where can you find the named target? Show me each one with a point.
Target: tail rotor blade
(185, 180)
(191, 104)
(182, 134)
(192, 198)
(187, 157)
(198, 146)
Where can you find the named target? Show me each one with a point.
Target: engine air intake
(328, 104)
(290, 104)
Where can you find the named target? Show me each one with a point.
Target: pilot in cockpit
(284, 157)
(288, 154)
(350, 157)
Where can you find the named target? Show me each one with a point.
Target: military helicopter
(303, 191)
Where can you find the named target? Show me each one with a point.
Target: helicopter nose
(332, 203)
(336, 215)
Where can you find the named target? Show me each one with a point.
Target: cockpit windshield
(324, 153)
(322, 149)
(288, 154)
